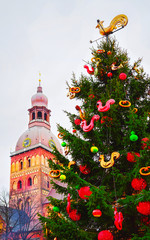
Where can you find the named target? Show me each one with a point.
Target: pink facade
(29, 175)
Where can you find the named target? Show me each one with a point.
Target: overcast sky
(52, 37)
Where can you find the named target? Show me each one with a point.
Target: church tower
(29, 175)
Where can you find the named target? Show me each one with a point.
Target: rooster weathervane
(117, 23)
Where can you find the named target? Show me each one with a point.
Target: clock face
(26, 142)
(52, 144)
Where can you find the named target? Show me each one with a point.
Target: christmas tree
(104, 173)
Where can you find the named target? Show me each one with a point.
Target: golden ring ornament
(146, 171)
(111, 162)
(74, 90)
(54, 173)
(134, 110)
(93, 59)
(71, 163)
(66, 150)
(119, 21)
(71, 95)
(60, 135)
(100, 51)
(124, 103)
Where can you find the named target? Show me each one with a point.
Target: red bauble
(105, 235)
(74, 130)
(74, 215)
(144, 144)
(77, 121)
(122, 76)
(109, 74)
(84, 192)
(144, 208)
(145, 220)
(109, 53)
(84, 169)
(131, 156)
(138, 184)
(97, 213)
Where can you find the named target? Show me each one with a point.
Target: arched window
(39, 115)
(19, 184)
(20, 204)
(29, 181)
(21, 165)
(29, 162)
(13, 167)
(28, 204)
(35, 181)
(33, 115)
(14, 186)
(45, 116)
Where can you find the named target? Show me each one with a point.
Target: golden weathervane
(118, 22)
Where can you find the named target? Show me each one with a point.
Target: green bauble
(63, 144)
(133, 137)
(56, 209)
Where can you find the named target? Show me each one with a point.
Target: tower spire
(39, 79)
(39, 88)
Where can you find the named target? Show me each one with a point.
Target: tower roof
(39, 99)
(38, 132)
(37, 136)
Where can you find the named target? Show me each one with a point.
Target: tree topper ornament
(120, 21)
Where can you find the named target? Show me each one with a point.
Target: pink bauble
(122, 76)
(105, 235)
(138, 184)
(109, 74)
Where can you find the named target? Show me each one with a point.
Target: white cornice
(49, 149)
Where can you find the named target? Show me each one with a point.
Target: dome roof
(39, 99)
(37, 135)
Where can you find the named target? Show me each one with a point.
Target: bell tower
(29, 175)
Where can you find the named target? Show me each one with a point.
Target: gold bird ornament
(119, 21)
(111, 162)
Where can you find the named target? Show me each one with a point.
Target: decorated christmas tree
(104, 173)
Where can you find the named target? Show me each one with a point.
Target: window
(39, 115)
(35, 181)
(20, 204)
(33, 115)
(29, 181)
(21, 165)
(13, 167)
(28, 204)
(45, 116)
(19, 184)
(14, 186)
(47, 184)
(29, 162)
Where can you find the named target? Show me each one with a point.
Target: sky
(53, 37)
